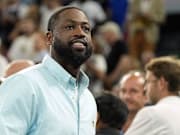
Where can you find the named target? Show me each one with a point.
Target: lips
(79, 44)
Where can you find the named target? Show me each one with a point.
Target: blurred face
(27, 26)
(152, 86)
(132, 92)
(109, 37)
(72, 37)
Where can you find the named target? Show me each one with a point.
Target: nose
(145, 88)
(124, 95)
(78, 31)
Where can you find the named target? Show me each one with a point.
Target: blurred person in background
(95, 67)
(118, 60)
(47, 8)
(11, 12)
(93, 10)
(112, 114)
(23, 44)
(53, 97)
(143, 20)
(40, 48)
(131, 91)
(162, 86)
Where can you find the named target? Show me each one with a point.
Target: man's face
(132, 92)
(152, 87)
(72, 37)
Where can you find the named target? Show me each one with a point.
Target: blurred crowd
(126, 34)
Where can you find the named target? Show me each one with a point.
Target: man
(52, 98)
(112, 114)
(118, 61)
(162, 85)
(133, 94)
(144, 19)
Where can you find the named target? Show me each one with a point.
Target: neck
(168, 93)
(67, 66)
(101, 125)
(129, 121)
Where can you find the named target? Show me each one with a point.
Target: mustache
(84, 41)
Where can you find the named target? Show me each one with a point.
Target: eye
(86, 29)
(123, 91)
(134, 91)
(69, 27)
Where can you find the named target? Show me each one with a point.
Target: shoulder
(147, 120)
(32, 74)
(145, 115)
(151, 114)
(21, 81)
(16, 86)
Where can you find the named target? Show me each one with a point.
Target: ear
(163, 84)
(49, 36)
(145, 97)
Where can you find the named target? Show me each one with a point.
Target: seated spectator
(112, 114)
(131, 91)
(23, 46)
(118, 60)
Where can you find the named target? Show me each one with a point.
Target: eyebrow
(74, 21)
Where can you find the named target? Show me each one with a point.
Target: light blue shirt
(46, 100)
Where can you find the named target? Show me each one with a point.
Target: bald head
(133, 75)
(16, 66)
(132, 91)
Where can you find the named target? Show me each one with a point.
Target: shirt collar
(65, 77)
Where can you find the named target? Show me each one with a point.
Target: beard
(69, 55)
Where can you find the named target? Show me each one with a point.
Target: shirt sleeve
(17, 106)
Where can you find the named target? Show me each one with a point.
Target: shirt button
(73, 98)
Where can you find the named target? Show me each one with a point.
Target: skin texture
(154, 87)
(162, 78)
(70, 40)
(132, 92)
